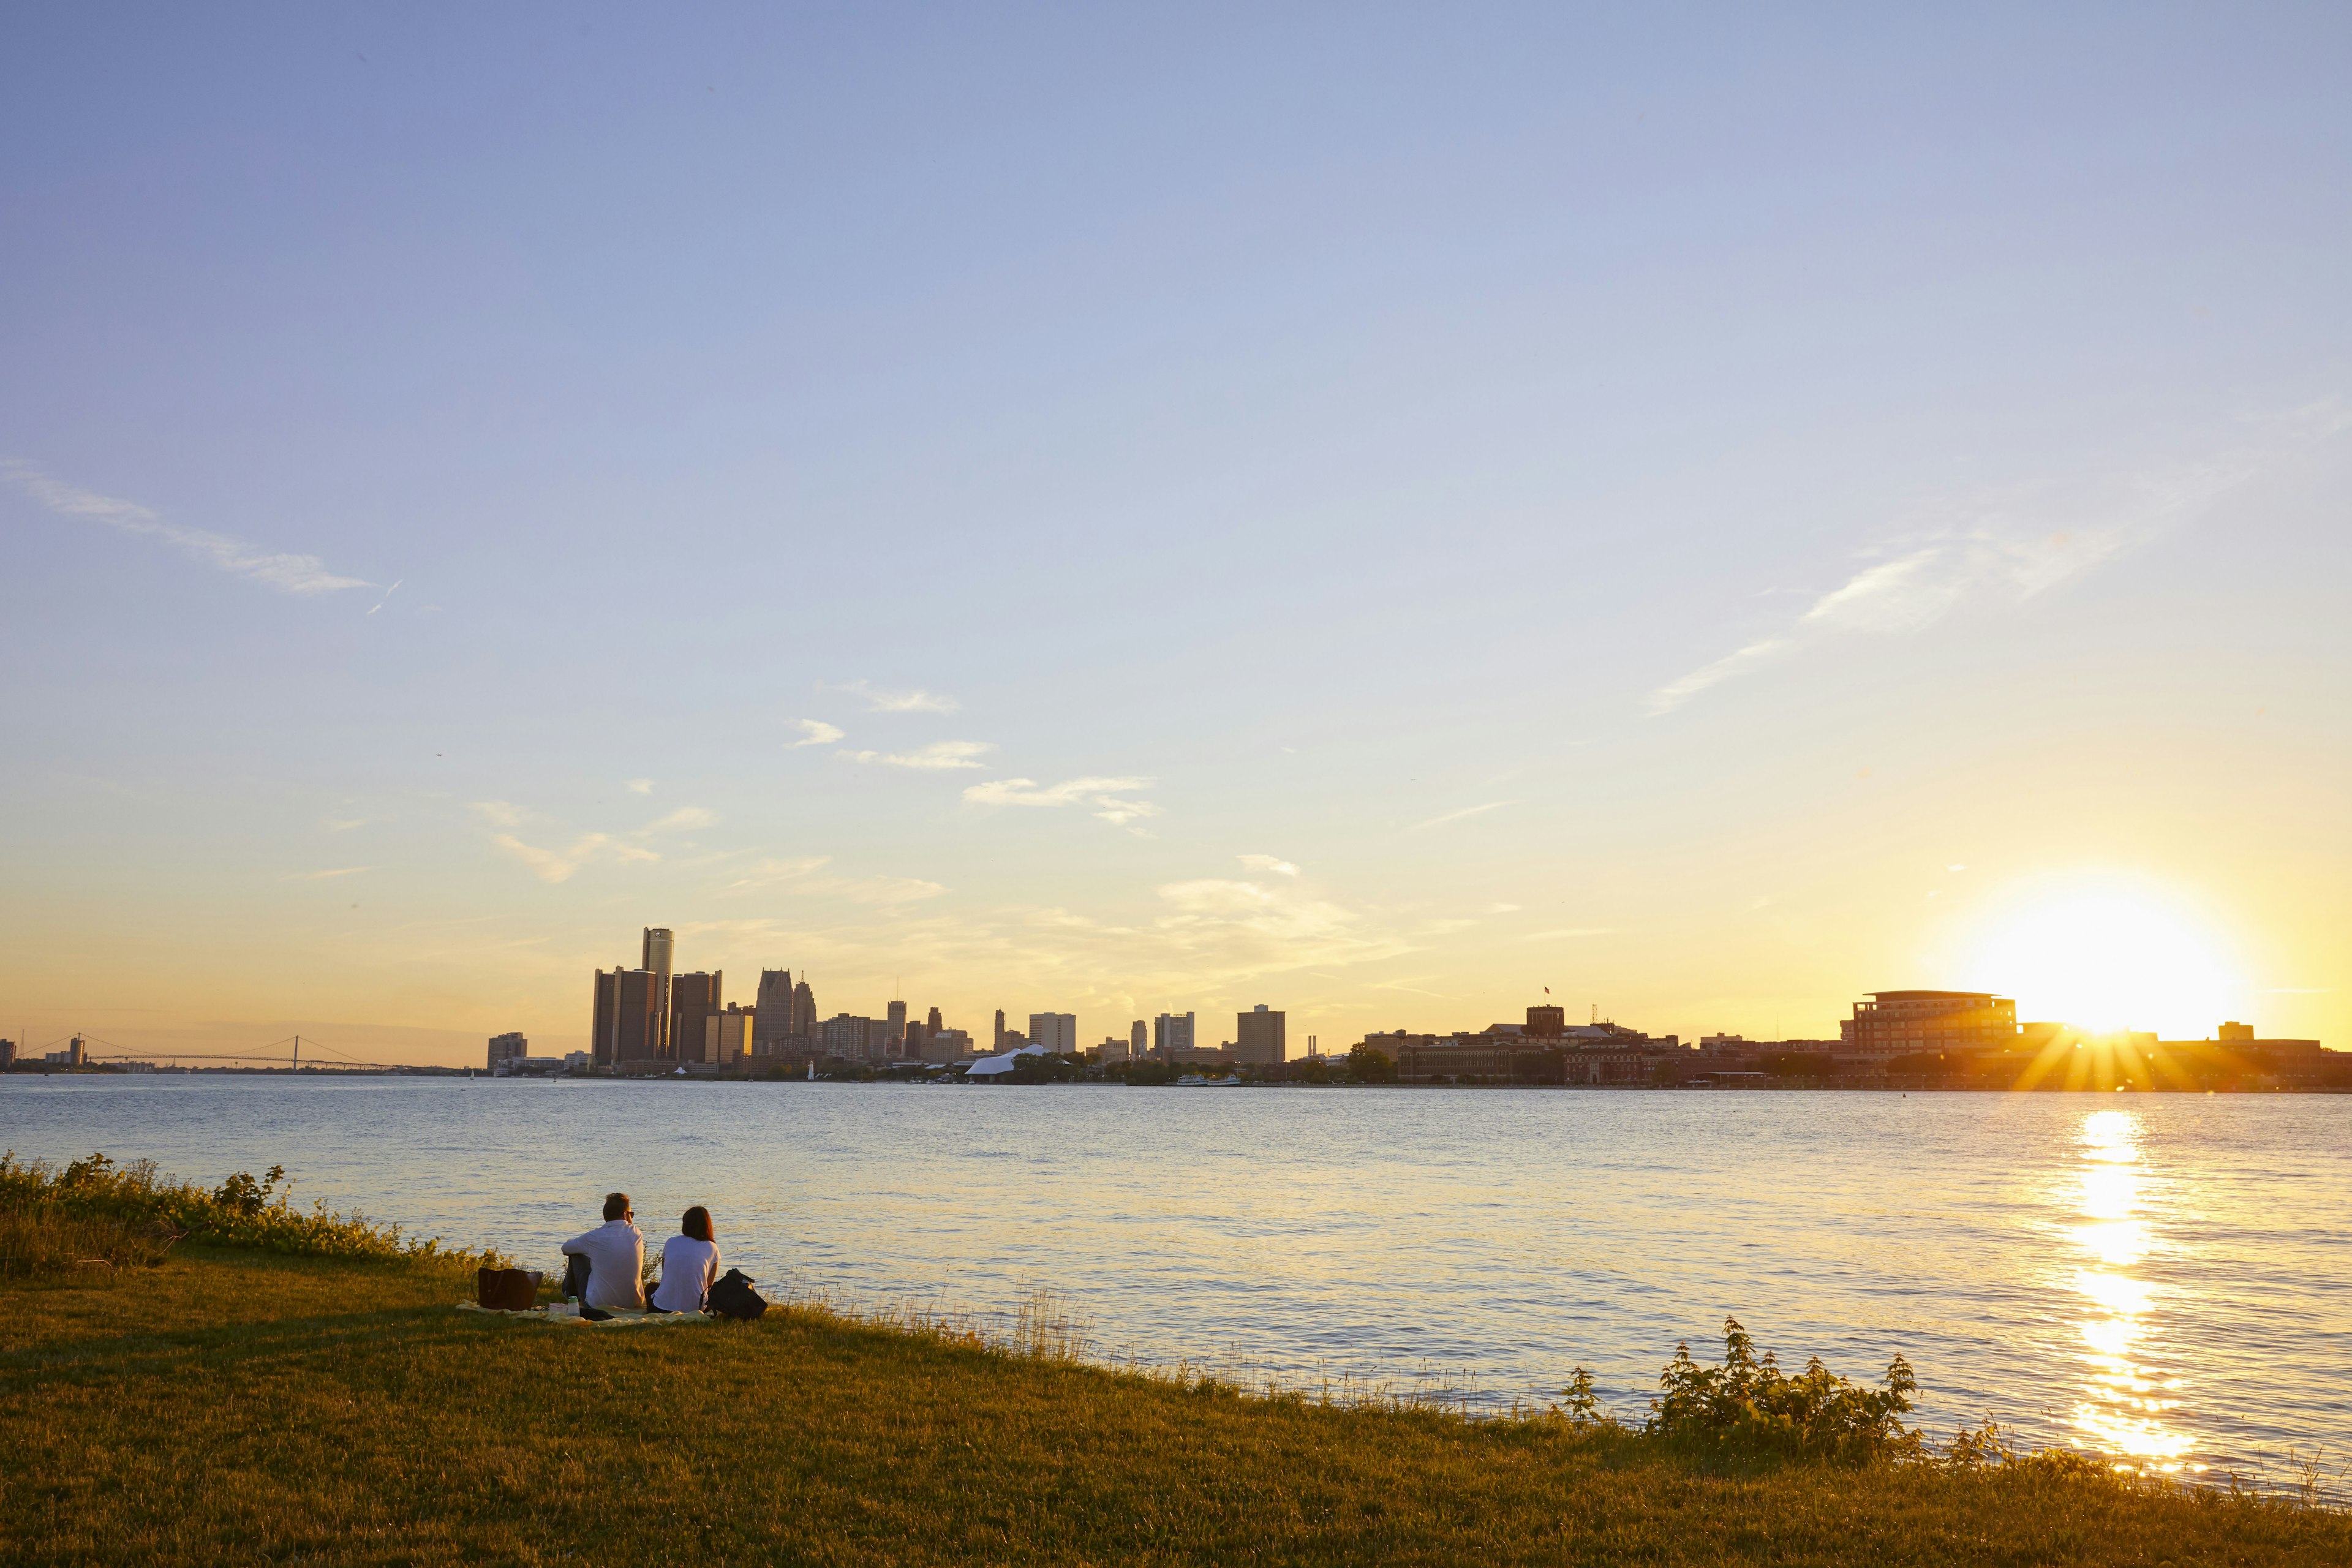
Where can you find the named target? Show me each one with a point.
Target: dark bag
(733, 1297)
(506, 1289)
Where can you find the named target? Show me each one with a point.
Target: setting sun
(2110, 955)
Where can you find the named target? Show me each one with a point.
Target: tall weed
(240, 1213)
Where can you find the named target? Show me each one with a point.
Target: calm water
(2163, 1276)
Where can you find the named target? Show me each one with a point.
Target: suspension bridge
(286, 1055)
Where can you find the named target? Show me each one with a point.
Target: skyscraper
(894, 1037)
(998, 1043)
(1135, 1037)
(505, 1046)
(693, 998)
(803, 1008)
(655, 958)
(1171, 1032)
(932, 1020)
(1259, 1036)
(773, 1017)
(626, 1024)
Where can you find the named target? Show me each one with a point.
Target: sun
(2108, 953)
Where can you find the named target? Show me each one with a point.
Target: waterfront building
(693, 998)
(1170, 1032)
(933, 1020)
(502, 1046)
(1114, 1049)
(7, 1055)
(946, 1045)
(1548, 1022)
(625, 1025)
(852, 1038)
(729, 1036)
(1054, 1031)
(1258, 1038)
(894, 1037)
(1135, 1038)
(772, 1011)
(1928, 1022)
(803, 1014)
(998, 1038)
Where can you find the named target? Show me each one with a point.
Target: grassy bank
(236, 1406)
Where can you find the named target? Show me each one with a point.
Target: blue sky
(1619, 501)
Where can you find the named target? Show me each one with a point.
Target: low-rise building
(1914, 1022)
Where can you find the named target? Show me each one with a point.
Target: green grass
(242, 1406)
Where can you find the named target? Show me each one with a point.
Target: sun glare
(2110, 957)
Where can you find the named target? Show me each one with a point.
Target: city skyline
(1138, 514)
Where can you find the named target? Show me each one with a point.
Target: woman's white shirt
(690, 1267)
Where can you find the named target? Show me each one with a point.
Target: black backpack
(733, 1297)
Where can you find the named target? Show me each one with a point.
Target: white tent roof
(989, 1067)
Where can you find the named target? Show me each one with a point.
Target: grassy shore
(234, 1406)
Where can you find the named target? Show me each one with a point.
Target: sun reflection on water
(2124, 1410)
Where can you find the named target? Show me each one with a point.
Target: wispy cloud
(1458, 816)
(639, 786)
(803, 875)
(772, 873)
(388, 593)
(1566, 933)
(939, 754)
(685, 819)
(880, 702)
(287, 573)
(815, 733)
(2007, 547)
(1108, 796)
(558, 865)
(1269, 863)
(322, 875)
(343, 824)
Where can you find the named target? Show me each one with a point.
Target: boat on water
(1194, 1081)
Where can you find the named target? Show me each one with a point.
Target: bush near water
(136, 1201)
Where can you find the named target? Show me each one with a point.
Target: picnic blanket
(569, 1312)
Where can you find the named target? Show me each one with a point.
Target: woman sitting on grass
(689, 1265)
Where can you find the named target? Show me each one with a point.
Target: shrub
(1750, 1406)
(240, 1213)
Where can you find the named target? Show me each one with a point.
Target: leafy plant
(1750, 1405)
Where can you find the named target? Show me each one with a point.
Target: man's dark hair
(697, 1224)
(615, 1204)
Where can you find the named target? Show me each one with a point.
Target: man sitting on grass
(608, 1264)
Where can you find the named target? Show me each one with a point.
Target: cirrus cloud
(880, 701)
(286, 573)
(938, 755)
(1108, 796)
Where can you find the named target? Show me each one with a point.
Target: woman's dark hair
(697, 1223)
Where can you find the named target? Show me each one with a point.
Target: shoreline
(231, 1403)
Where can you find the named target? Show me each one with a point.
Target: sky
(1378, 512)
